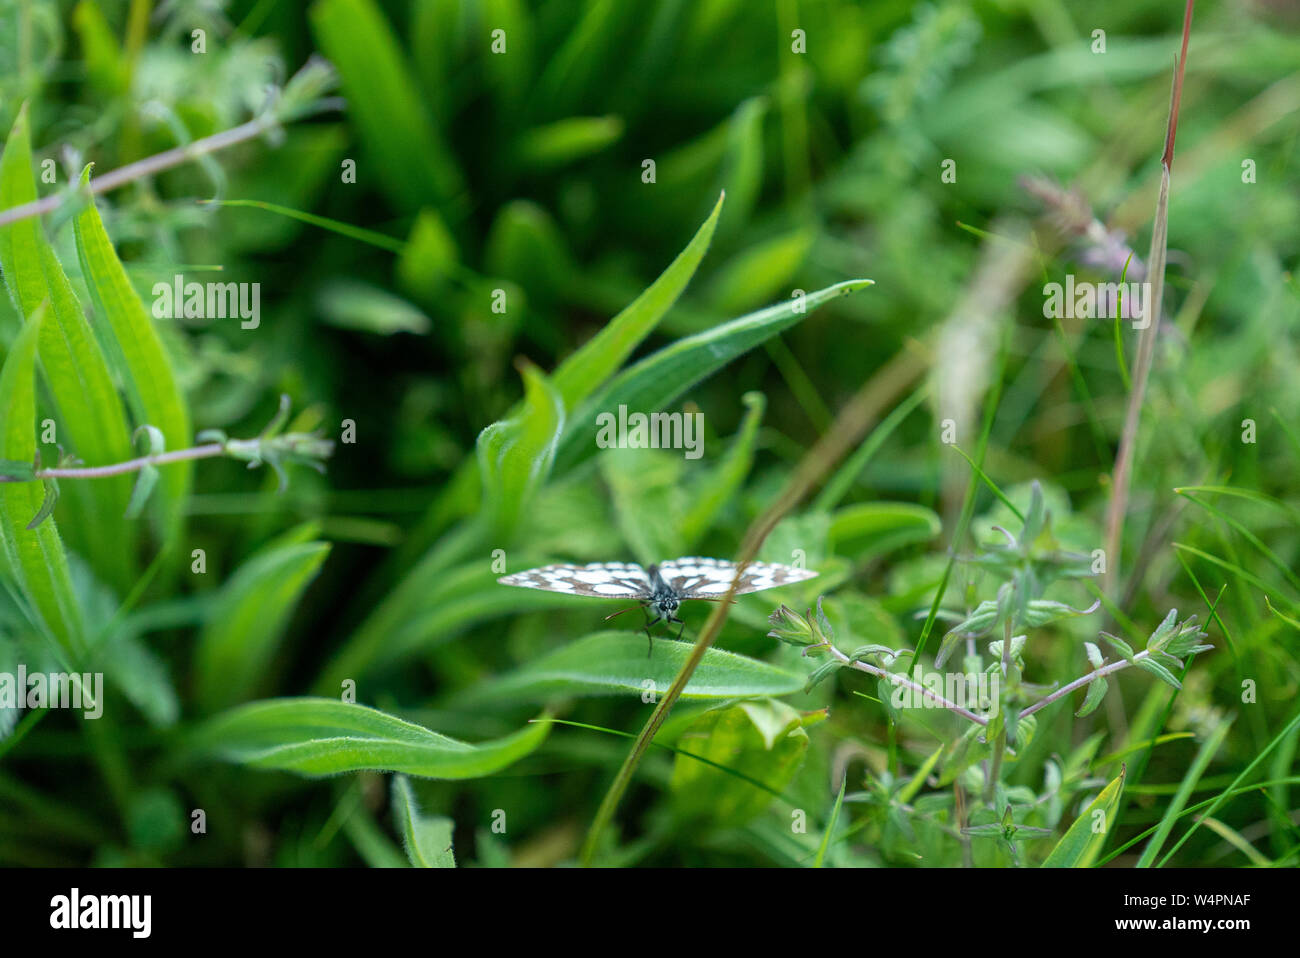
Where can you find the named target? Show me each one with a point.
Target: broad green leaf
(314, 736)
(868, 530)
(588, 368)
(412, 162)
(91, 421)
(34, 557)
(427, 838)
(146, 368)
(515, 455)
(437, 35)
(615, 663)
(764, 741)
(657, 380)
(249, 616)
(1082, 841)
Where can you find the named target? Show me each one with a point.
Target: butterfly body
(662, 587)
(663, 599)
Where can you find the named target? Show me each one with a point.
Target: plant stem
(146, 167)
(207, 451)
(904, 681)
(1118, 505)
(1000, 745)
(1082, 681)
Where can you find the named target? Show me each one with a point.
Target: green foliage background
(522, 172)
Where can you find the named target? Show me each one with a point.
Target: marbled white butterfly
(660, 588)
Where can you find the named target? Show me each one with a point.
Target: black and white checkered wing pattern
(696, 577)
(607, 580)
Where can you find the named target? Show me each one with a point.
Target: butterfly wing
(607, 580)
(697, 577)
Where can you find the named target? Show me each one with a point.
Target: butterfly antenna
(621, 611)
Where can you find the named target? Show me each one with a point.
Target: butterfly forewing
(611, 580)
(697, 577)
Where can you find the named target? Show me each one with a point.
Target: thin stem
(1082, 681)
(904, 681)
(208, 451)
(145, 167)
(1000, 745)
(1122, 475)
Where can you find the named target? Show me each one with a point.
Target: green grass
(467, 255)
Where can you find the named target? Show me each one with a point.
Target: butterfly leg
(682, 629)
(650, 638)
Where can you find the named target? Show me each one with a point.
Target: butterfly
(660, 588)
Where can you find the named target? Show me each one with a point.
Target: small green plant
(1000, 726)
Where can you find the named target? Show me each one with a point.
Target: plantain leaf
(34, 557)
(615, 663)
(146, 368)
(315, 736)
(90, 418)
(658, 379)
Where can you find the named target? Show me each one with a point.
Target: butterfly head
(665, 604)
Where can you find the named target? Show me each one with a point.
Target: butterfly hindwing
(610, 580)
(698, 577)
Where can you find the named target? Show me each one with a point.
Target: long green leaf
(34, 557)
(583, 372)
(314, 736)
(657, 380)
(151, 382)
(614, 663)
(1079, 846)
(515, 455)
(250, 615)
(91, 422)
